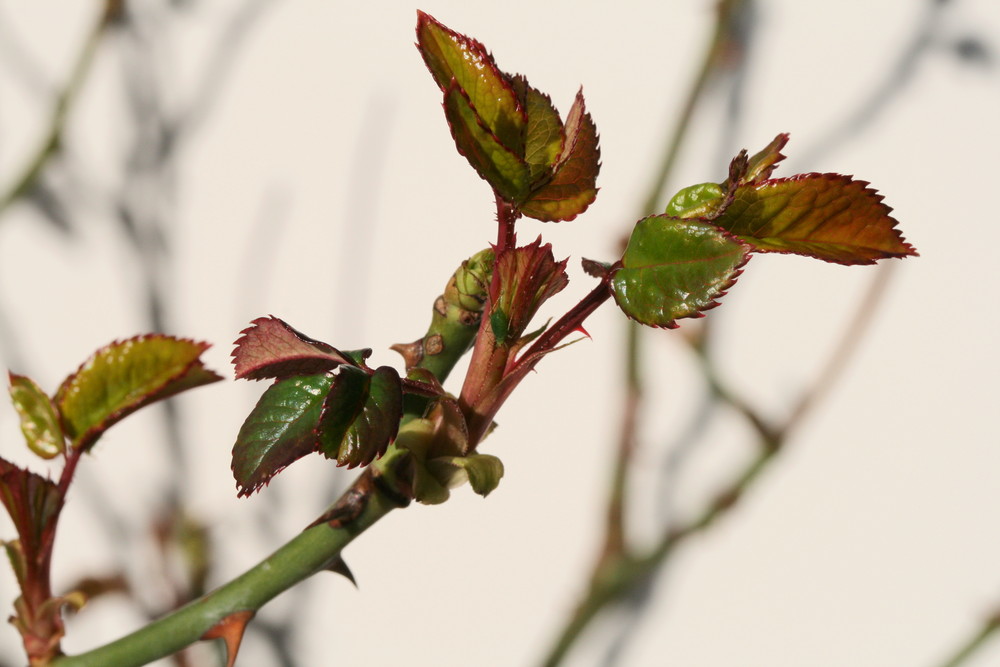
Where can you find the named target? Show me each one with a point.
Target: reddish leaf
(272, 349)
(124, 376)
(826, 216)
(31, 501)
(455, 60)
(529, 275)
(495, 163)
(758, 168)
(761, 165)
(573, 186)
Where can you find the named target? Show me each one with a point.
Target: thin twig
(988, 630)
(51, 140)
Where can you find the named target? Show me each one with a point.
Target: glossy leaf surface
(544, 137)
(461, 62)
(282, 428)
(39, 418)
(497, 164)
(674, 268)
(272, 349)
(125, 376)
(826, 216)
(355, 432)
(696, 201)
(573, 186)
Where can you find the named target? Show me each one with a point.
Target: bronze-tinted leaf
(456, 60)
(31, 501)
(272, 349)
(497, 164)
(124, 376)
(573, 186)
(826, 216)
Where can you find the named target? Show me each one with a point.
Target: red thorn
(230, 630)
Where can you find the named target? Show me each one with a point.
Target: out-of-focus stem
(49, 144)
(972, 645)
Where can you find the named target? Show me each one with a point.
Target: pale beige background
(874, 542)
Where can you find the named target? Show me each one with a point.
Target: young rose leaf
(675, 268)
(124, 376)
(282, 428)
(573, 186)
(529, 275)
(761, 165)
(272, 349)
(355, 432)
(697, 201)
(544, 136)
(826, 216)
(452, 57)
(497, 164)
(482, 471)
(39, 419)
(31, 501)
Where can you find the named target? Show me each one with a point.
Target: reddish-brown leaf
(272, 349)
(457, 60)
(573, 186)
(31, 501)
(826, 216)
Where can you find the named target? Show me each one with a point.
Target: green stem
(315, 549)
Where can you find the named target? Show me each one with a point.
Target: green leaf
(355, 437)
(544, 138)
(696, 201)
(39, 418)
(272, 349)
(282, 428)
(573, 186)
(481, 471)
(456, 60)
(124, 376)
(497, 164)
(826, 216)
(675, 268)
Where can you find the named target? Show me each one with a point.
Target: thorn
(412, 353)
(230, 630)
(339, 566)
(583, 331)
